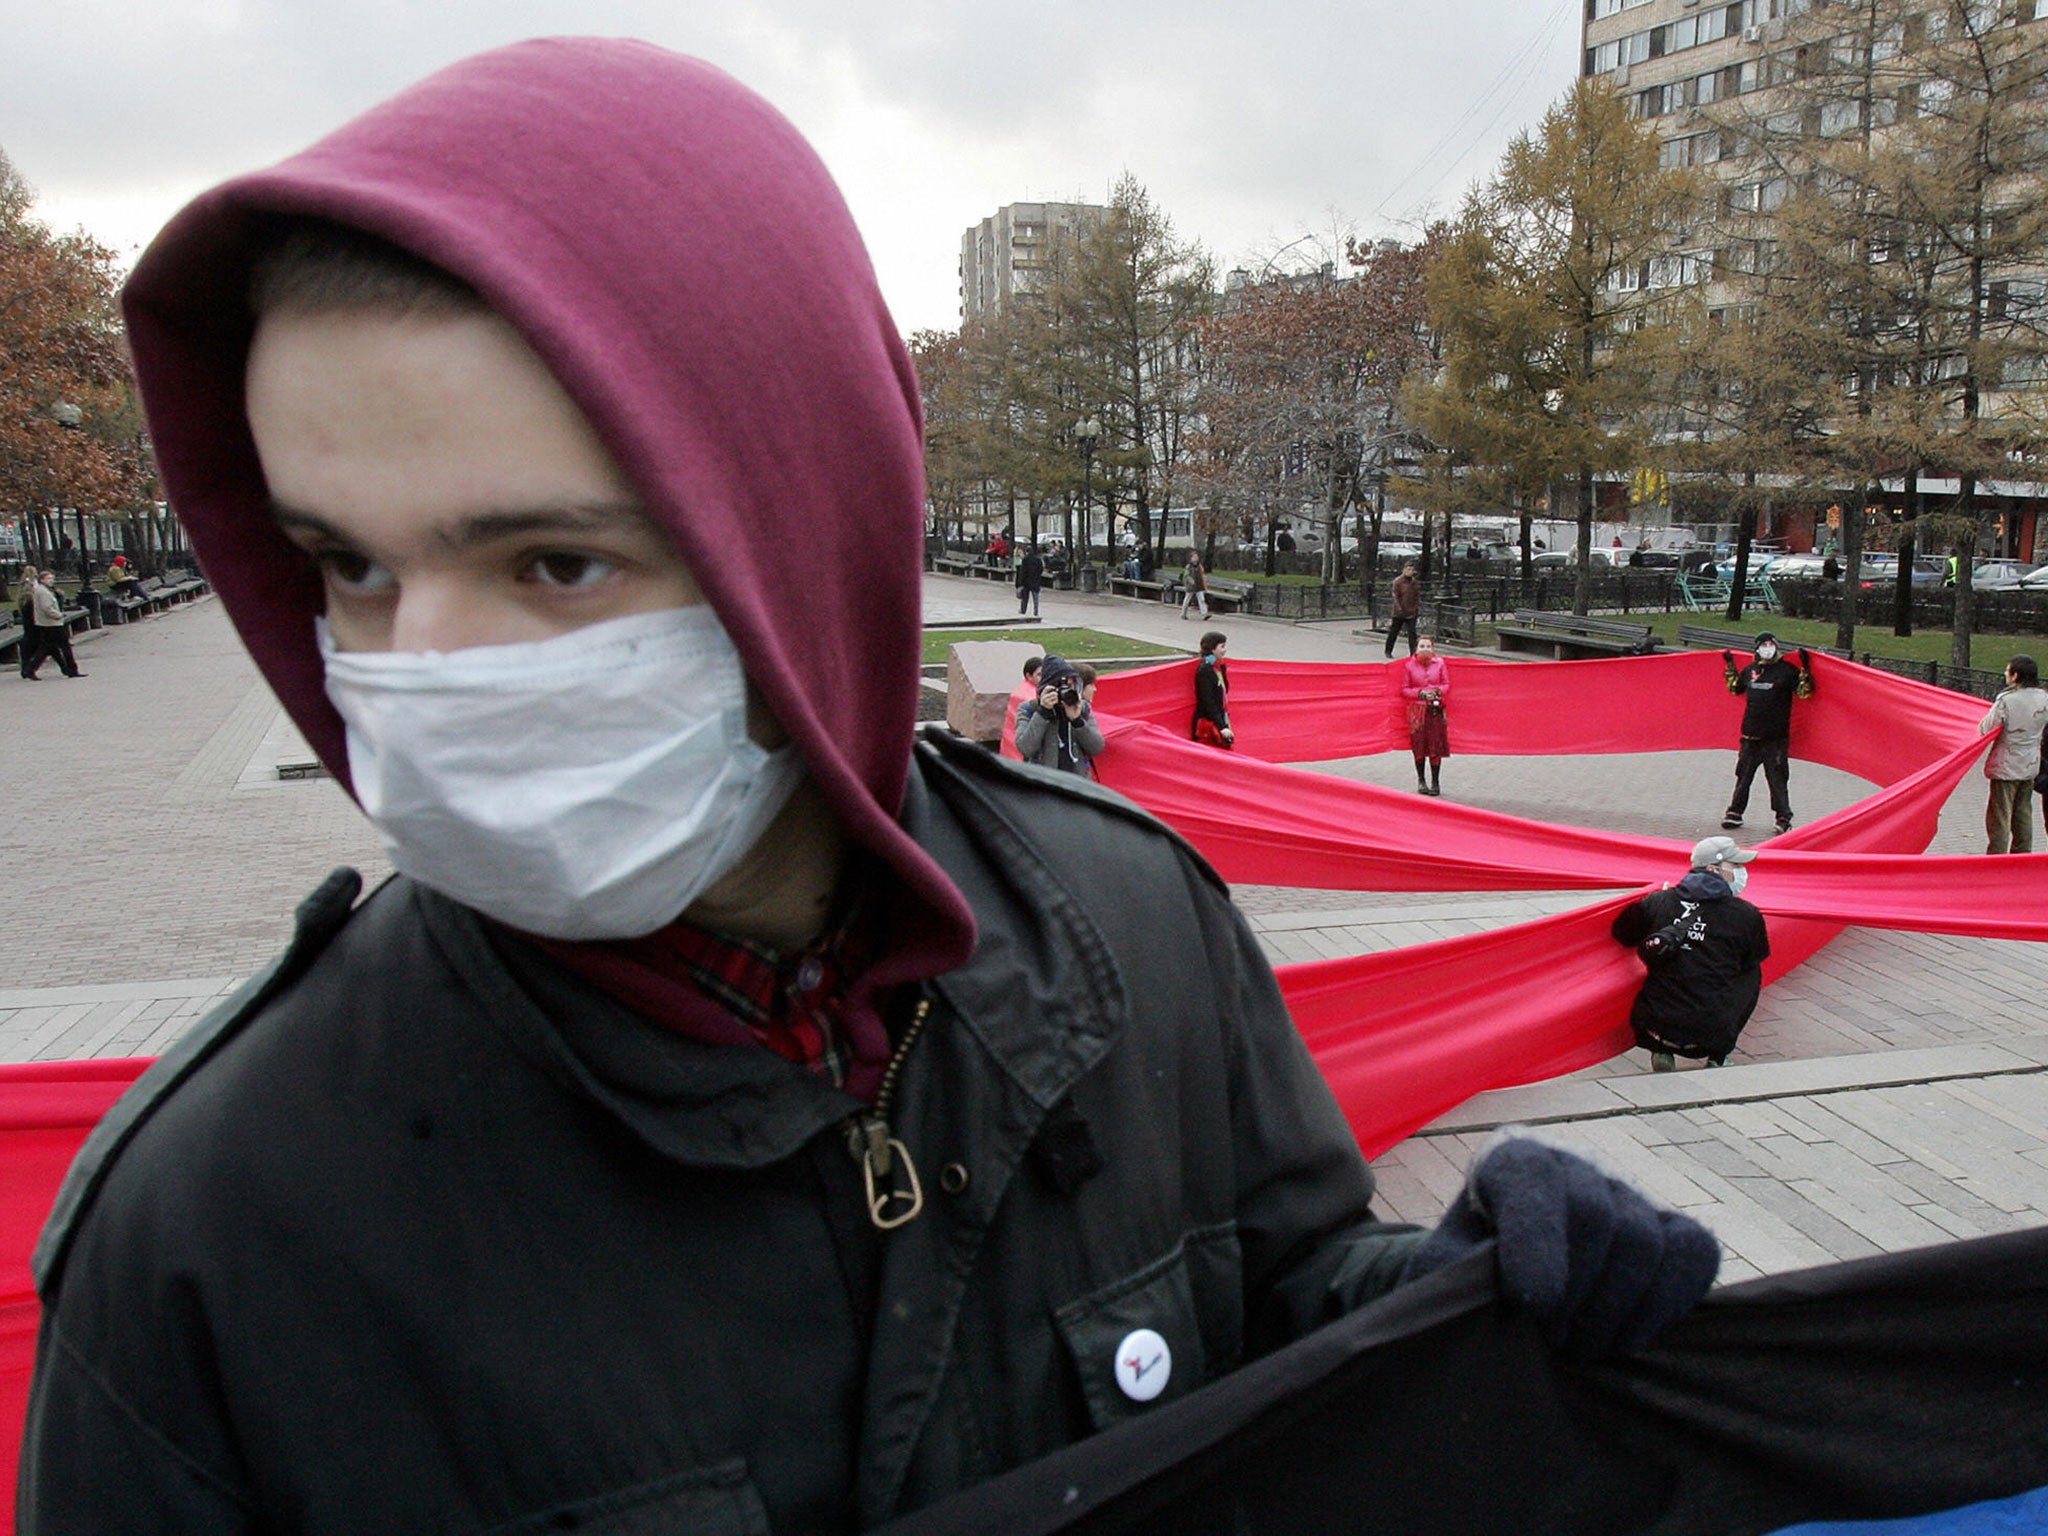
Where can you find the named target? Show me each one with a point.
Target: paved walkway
(1890, 1092)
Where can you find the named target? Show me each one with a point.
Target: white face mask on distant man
(589, 786)
(1767, 652)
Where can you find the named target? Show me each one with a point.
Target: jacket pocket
(1138, 1341)
(711, 1501)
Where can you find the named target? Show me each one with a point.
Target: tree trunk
(1850, 554)
(1582, 593)
(1908, 547)
(1966, 560)
(1745, 537)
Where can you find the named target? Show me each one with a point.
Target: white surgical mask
(1767, 653)
(590, 786)
(1737, 878)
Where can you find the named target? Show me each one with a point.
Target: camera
(1070, 690)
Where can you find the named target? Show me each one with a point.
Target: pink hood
(681, 260)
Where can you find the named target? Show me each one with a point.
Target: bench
(119, 606)
(1573, 637)
(952, 565)
(182, 586)
(1229, 592)
(1700, 638)
(10, 641)
(1131, 586)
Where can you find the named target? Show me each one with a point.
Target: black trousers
(1394, 630)
(1773, 757)
(49, 640)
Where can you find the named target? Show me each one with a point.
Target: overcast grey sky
(1252, 124)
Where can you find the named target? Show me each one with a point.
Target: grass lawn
(1074, 644)
(1277, 581)
(1989, 652)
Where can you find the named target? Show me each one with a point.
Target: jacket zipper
(891, 1201)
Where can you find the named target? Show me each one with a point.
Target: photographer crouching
(1059, 731)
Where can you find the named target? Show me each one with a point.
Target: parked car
(1798, 567)
(2034, 580)
(1554, 559)
(1883, 567)
(1987, 575)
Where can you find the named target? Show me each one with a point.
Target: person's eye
(353, 573)
(560, 568)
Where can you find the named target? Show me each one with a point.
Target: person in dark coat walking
(1407, 608)
(1705, 948)
(1768, 686)
(1030, 576)
(740, 1112)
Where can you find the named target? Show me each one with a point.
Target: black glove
(1805, 661)
(1602, 1269)
(1728, 660)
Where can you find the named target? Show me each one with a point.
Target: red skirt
(1429, 732)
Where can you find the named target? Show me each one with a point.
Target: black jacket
(1212, 695)
(422, 1233)
(1704, 985)
(1770, 687)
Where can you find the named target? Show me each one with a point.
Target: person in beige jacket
(2020, 713)
(52, 636)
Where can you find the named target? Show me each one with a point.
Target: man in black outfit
(1705, 947)
(1771, 684)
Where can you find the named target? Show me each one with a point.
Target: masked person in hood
(732, 1116)
(1705, 948)
(1768, 686)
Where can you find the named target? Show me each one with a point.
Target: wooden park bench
(182, 586)
(1698, 637)
(1573, 637)
(1229, 593)
(1131, 586)
(953, 565)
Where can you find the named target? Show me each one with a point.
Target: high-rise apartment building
(1723, 79)
(1005, 253)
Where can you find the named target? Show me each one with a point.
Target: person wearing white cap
(1705, 948)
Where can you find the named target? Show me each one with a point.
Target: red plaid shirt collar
(795, 1004)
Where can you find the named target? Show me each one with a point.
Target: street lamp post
(1087, 432)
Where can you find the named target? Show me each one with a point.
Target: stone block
(980, 677)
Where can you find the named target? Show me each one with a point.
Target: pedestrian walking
(1195, 583)
(1030, 576)
(1768, 685)
(52, 635)
(1426, 685)
(1211, 724)
(1407, 608)
(1705, 948)
(28, 651)
(2019, 715)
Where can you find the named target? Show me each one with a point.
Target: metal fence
(1984, 685)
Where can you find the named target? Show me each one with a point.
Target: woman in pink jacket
(1426, 684)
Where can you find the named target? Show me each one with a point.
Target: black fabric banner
(1892, 1386)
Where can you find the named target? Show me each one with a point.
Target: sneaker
(1784, 823)
(1730, 822)
(1717, 1061)
(1663, 1061)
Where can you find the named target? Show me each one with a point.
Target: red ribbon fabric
(1405, 1035)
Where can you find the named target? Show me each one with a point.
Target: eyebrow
(488, 527)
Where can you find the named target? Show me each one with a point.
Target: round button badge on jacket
(1143, 1363)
